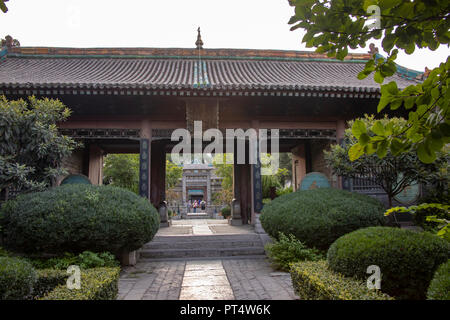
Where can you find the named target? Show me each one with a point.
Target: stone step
(202, 244)
(200, 252)
(202, 215)
(206, 238)
(259, 256)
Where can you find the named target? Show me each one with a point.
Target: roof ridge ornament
(372, 49)
(9, 42)
(199, 42)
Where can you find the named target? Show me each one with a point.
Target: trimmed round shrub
(17, 278)
(439, 288)
(78, 217)
(318, 217)
(407, 259)
(226, 212)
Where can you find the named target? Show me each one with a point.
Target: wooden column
(95, 164)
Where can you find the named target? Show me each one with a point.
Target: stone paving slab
(224, 279)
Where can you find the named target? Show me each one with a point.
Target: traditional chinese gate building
(129, 100)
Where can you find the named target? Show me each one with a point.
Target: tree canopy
(391, 173)
(122, 170)
(31, 147)
(333, 27)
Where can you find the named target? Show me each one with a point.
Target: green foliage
(312, 280)
(47, 280)
(335, 26)
(173, 174)
(96, 284)
(31, 148)
(439, 288)
(268, 182)
(287, 250)
(122, 170)
(75, 218)
(318, 217)
(226, 212)
(286, 167)
(392, 172)
(433, 217)
(281, 192)
(57, 263)
(3, 6)
(88, 259)
(225, 171)
(407, 259)
(17, 278)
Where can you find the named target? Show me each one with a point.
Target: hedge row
(439, 288)
(96, 284)
(75, 218)
(318, 217)
(17, 279)
(48, 280)
(407, 259)
(312, 280)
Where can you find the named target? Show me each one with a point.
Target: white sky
(248, 24)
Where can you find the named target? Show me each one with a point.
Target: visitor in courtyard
(203, 205)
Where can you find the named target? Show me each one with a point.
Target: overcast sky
(249, 24)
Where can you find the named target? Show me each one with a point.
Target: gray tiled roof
(173, 70)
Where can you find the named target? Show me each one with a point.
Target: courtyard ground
(204, 278)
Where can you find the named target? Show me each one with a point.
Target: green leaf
(378, 128)
(382, 149)
(396, 146)
(388, 42)
(355, 152)
(378, 77)
(364, 139)
(425, 154)
(358, 128)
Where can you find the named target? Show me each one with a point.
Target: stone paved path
(204, 279)
(222, 279)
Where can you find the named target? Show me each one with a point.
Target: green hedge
(75, 218)
(96, 284)
(318, 217)
(17, 278)
(312, 280)
(48, 280)
(407, 259)
(439, 288)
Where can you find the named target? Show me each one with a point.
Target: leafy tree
(31, 148)
(3, 6)
(335, 26)
(225, 171)
(173, 174)
(122, 170)
(391, 173)
(286, 164)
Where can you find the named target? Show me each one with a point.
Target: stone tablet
(409, 194)
(314, 180)
(75, 179)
